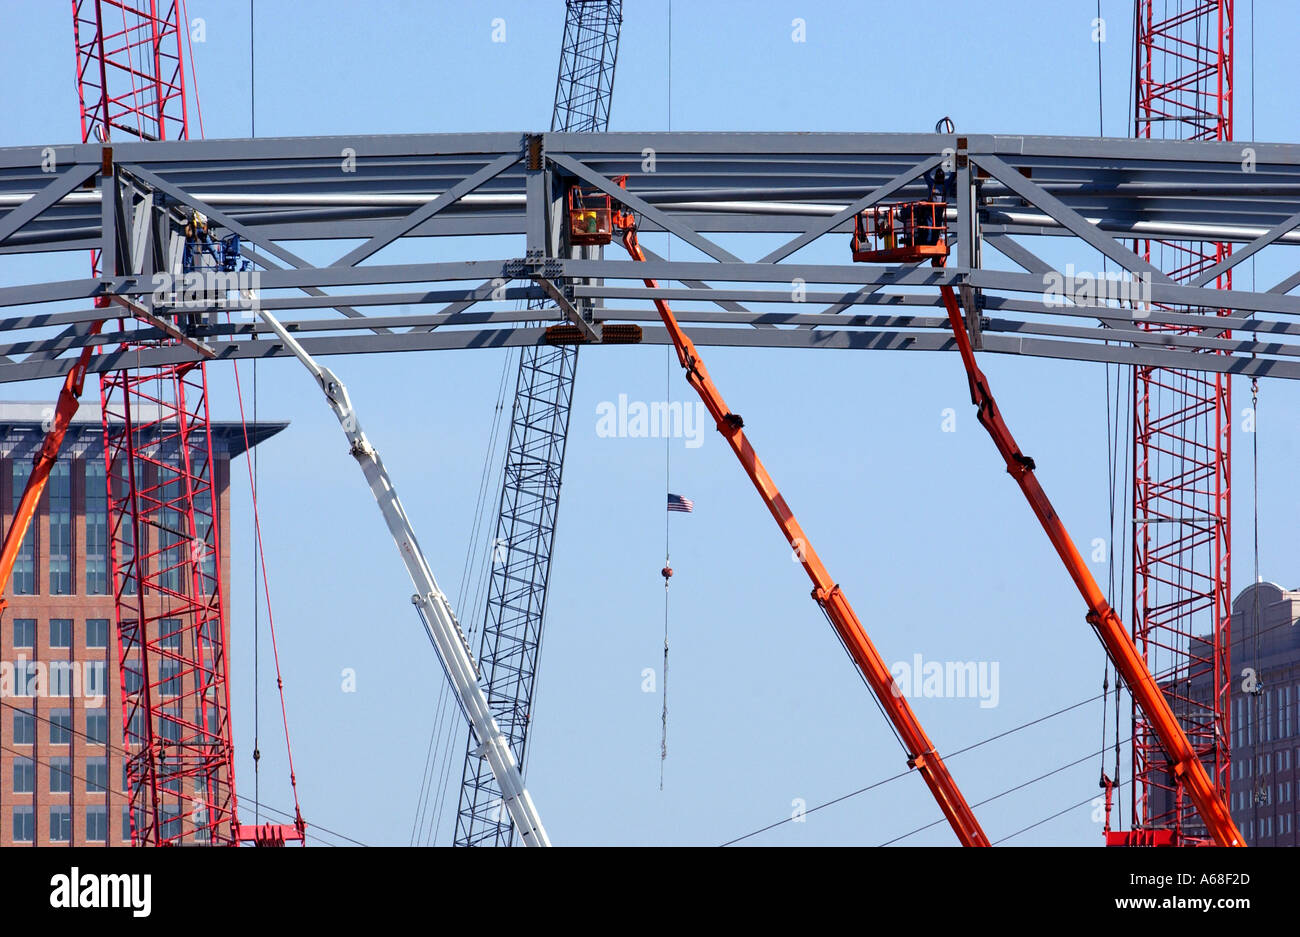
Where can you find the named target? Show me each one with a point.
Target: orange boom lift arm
(69, 401)
(1105, 621)
(921, 753)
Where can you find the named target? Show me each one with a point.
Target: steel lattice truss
(801, 191)
(163, 539)
(519, 577)
(169, 610)
(383, 189)
(1182, 443)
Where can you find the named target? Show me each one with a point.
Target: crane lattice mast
(530, 492)
(1182, 442)
(163, 530)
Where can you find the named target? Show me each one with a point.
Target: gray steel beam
(231, 224)
(847, 214)
(401, 226)
(642, 207)
(824, 339)
(1067, 216)
(49, 195)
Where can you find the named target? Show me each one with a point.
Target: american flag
(680, 503)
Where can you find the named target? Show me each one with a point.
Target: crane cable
(426, 824)
(667, 571)
(1284, 623)
(117, 750)
(1005, 792)
(1260, 792)
(902, 774)
(259, 553)
(491, 481)
(1260, 786)
(266, 594)
(1106, 781)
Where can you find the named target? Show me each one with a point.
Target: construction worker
(928, 226)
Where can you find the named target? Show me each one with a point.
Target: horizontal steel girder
(387, 195)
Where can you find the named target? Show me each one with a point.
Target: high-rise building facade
(62, 770)
(1266, 714)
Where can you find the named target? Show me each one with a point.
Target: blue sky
(923, 529)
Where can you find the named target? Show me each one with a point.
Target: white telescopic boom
(435, 611)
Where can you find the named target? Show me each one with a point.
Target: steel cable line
(903, 774)
(110, 792)
(436, 753)
(959, 751)
(117, 749)
(444, 750)
(1059, 813)
(1010, 790)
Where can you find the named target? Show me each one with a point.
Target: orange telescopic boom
(1105, 621)
(921, 753)
(69, 401)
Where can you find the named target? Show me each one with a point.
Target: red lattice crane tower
(162, 504)
(1182, 443)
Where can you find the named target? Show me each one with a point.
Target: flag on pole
(680, 503)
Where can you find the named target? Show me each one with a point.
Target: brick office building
(62, 777)
(1266, 722)
(1264, 782)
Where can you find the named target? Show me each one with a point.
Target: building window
(60, 824)
(97, 727)
(60, 507)
(24, 776)
(24, 727)
(132, 676)
(60, 632)
(62, 675)
(25, 565)
(126, 823)
(60, 776)
(60, 726)
(135, 734)
(203, 524)
(27, 679)
(96, 561)
(170, 673)
(213, 725)
(173, 523)
(94, 680)
(170, 634)
(171, 822)
(24, 825)
(24, 632)
(97, 632)
(96, 775)
(171, 726)
(97, 824)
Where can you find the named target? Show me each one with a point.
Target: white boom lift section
(435, 611)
